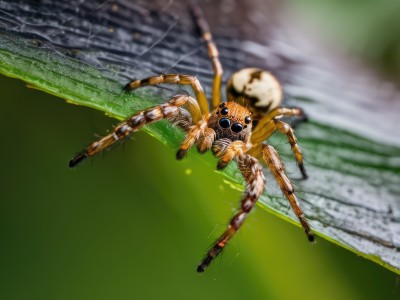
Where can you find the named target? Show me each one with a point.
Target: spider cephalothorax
(228, 131)
(231, 120)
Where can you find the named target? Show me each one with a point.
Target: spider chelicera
(235, 130)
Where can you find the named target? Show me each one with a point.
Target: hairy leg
(285, 128)
(252, 173)
(261, 132)
(177, 79)
(226, 151)
(171, 111)
(212, 53)
(274, 163)
(193, 136)
(269, 124)
(205, 142)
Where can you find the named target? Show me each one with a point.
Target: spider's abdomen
(256, 89)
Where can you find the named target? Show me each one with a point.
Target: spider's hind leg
(213, 53)
(171, 111)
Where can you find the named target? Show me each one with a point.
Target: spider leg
(177, 79)
(264, 130)
(171, 111)
(259, 134)
(205, 142)
(252, 173)
(213, 53)
(274, 163)
(226, 151)
(196, 132)
(285, 128)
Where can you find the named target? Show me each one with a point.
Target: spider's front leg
(252, 173)
(198, 133)
(270, 123)
(177, 79)
(274, 163)
(172, 111)
(226, 151)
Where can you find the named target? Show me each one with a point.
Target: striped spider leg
(176, 79)
(269, 123)
(252, 173)
(171, 110)
(277, 168)
(213, 53)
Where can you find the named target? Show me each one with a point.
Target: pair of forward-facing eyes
(235, 127)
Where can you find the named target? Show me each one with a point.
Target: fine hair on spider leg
(207, 261)
(283, 147)
(277, 168)
(253, 175)
(77, 159)
(82, 155)
(170, 110)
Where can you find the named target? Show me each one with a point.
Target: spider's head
(231, 120)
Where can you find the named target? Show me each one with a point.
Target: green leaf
(87, 55)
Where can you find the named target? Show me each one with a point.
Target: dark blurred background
(133, 223)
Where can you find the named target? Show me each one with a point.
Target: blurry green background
(133, 223)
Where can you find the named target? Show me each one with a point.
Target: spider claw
(302, 116)
(128, 87)
(202, 266)
(201, 150)
(132, 85)
(181, 154)
(77, 159)
(311, 237)
(213, 253)
(221, 165)
(303, 171)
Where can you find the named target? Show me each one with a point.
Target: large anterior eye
(224, 123)
(237, 127)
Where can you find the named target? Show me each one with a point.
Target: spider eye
(247, 120)
(224, 123)
(237, 127)
(224, 111)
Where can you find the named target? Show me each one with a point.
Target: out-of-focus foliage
(369, 29)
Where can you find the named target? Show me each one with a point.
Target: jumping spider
(235, 130)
